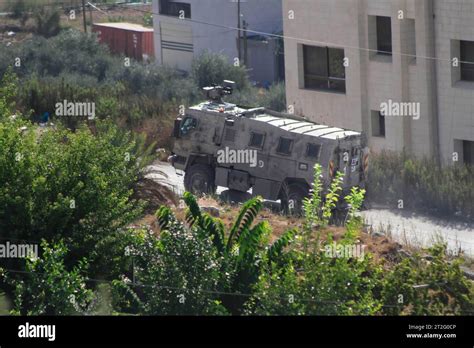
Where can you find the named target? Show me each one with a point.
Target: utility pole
(245, 44)
(239, 45)
(90, 14)
(84, 15)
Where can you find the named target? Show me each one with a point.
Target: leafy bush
(319, 283)
(47, 21)
(49, 288)
(209, 68)
(198, 261)
(428, 286)
(8, 91)
(176, 274)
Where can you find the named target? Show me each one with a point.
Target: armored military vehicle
(223, 144)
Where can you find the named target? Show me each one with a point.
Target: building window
(284, 146)
(313, 150)
(177, 9)
(468, 152)
(384, 35)
(378, 124)
(256, 140)
(324, 68)
(467, 60)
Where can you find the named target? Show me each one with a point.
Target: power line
(237, 294)
(286, 37)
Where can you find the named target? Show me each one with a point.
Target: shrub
(64, 185)
(8, 92)
(428, 286)
(421, 184)
(49, 288)
(317, 282)
(47, 21)
(178, 273)
(209, 68)
(200, 262)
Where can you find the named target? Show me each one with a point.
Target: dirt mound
(155, 194)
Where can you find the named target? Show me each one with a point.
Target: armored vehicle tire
(295, 193)
(199, 179)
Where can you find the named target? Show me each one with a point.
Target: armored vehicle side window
(189, 123)
(256, 140)
(229, 135)
(284, 146)
(313, 150)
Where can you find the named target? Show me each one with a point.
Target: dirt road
(404, 226)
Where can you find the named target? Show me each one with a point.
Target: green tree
(48, 288)
(209, 68)
(57, 184)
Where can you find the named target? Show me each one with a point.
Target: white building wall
(454, 21)
(372, 80)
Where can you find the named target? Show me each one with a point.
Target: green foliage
(75, 67)
(211, 68)
(323, 285)
(8, 92)
(49, 288)
(332, 198)
(312, 204)
(148, 20)
(418, 286)
(243, 253)
(317, 282)
(176, 274)
(422, 184)
(274, 98)
(47, 20)
(354, 200)
(19, 8)
(244, 220)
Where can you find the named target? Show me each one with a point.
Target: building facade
(401, 71)
(185, 28)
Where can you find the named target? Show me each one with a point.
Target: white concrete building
(345, 58)
(181, 33)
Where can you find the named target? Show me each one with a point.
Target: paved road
(403, 226)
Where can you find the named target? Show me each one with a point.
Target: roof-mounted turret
(215, 93)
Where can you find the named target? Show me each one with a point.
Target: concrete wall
(371, 79)
(454, 21)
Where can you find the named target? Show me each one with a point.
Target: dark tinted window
(467, 60)
(256, 140)
(384, 35)
(378, 124)
(170, 8)
(313, 150)
(284, 146)
(324, 68)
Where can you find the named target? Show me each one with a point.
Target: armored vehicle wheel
(292, 196)
(199, 179)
